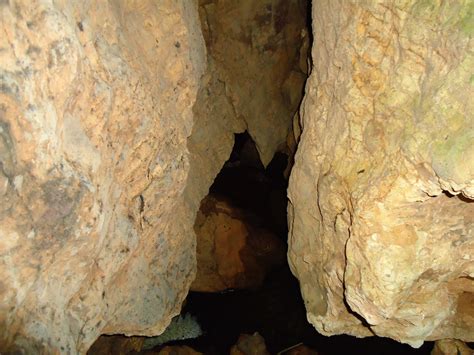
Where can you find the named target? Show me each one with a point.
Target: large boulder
(95, 109)
(382, 213)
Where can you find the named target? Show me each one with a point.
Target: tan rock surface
(377, 240)
(231, 251)
(95, 110)
(254, 51)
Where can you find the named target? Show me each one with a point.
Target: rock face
(232, 252)
(95, 110)
(382, 213)
(104, 160)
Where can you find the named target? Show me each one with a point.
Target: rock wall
(95, 110)
(113, 123)
(382, 214)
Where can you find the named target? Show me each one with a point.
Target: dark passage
(275, 310)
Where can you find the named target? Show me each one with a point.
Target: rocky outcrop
(382, 213)
(232, 251)
(95, 110)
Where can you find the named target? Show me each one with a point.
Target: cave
(243, 177)
(271, 305)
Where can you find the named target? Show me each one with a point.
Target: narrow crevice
(274, 308)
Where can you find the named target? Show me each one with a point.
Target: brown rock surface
(95, 110)
(250, 345)
(254, 70)
(231, 251)
(377, 240)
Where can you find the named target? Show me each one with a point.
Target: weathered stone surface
(95, 110)
(99, 183)
(231, 251)
(377, 240)
(177, 350)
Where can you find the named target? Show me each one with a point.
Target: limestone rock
(95, 110)
(381, 214)
(231, 251)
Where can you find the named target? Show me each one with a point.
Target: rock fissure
(137, 137)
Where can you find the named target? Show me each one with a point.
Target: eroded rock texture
(381, 214)
(95, 110)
